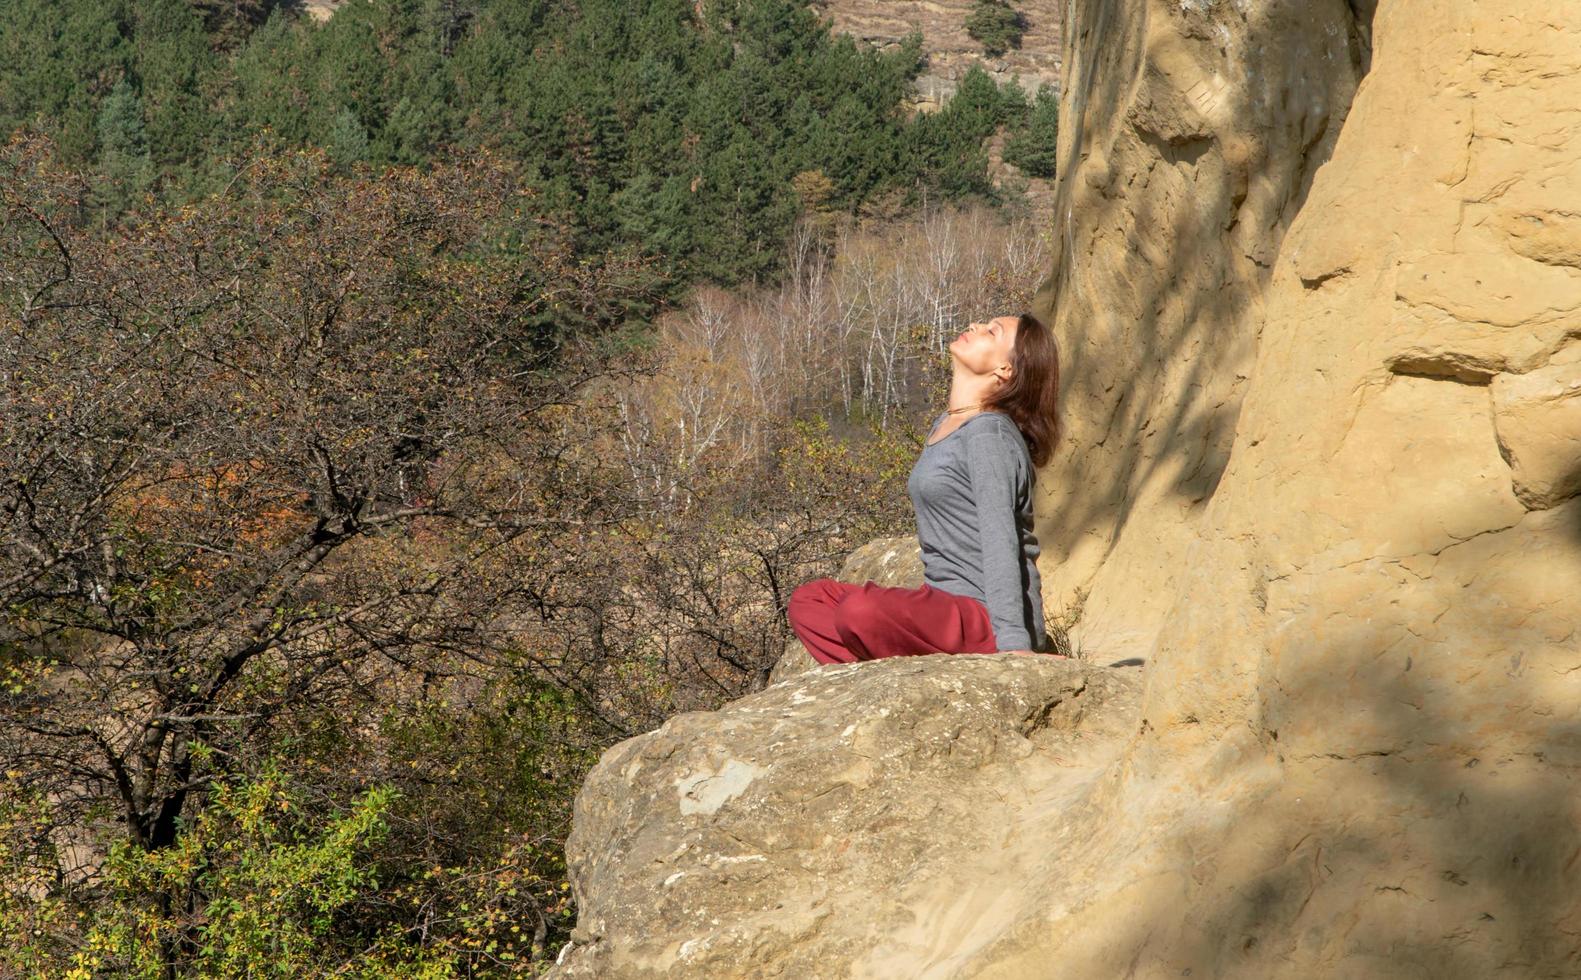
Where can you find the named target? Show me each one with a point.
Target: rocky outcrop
(1372, 631)
(1374, 634)
(1191, 134)
(1320, 296)
(855, 820)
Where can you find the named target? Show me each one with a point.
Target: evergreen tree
(173, 64)
(996, 25)
(58, 61)
(750, 206)
(657, 213)
(272, 81)
(348, 138)
(946, 148)
(655, 124)
(979, 105)
(405, 138)
(343, 64)
(1034, 144)
(655, 102)
(123, 146)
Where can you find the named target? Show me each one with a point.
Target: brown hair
(1031, 396)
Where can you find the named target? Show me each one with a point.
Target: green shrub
(995, 25)
(1032, 144)
(255, 886)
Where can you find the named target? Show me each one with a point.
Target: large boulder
(855, 819)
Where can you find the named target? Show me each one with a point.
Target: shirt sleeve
(995, 466)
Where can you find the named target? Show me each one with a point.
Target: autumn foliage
(280, 456)
(346, 516)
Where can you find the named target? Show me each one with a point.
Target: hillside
(951, 50)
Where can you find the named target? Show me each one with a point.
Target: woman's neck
(968, 393)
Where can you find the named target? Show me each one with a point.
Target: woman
(971, 489)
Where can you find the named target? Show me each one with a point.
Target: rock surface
(1320, 294)
(855, 820)
(1191, 132)
(1367, 649)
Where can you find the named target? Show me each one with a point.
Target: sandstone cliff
(1320, 294)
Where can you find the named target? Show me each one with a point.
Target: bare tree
(250, 447)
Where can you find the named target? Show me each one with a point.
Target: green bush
(995, 25)
(255, 886)
(1032, 145)
(428, 846)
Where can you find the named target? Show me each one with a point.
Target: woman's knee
(823, 589)
(808, 594)
(856, 613)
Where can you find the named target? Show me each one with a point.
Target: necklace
(963, 408)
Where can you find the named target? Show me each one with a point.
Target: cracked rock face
(1537, 416)
(1190, 133)
(1403, 482)
(848, 821)
(1376, 651)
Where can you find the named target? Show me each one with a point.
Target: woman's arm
(996, 465)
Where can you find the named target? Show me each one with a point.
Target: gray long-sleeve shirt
(972, 493)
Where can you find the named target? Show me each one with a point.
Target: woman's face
(985, 347)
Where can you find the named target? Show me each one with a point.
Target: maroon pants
(840, 623)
